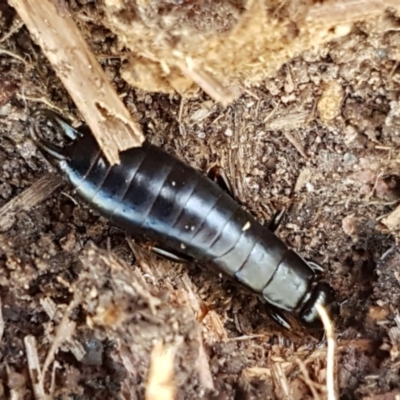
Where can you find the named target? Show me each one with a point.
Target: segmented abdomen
(156, 196)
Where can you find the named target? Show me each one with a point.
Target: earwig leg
(169, 255)
(276, 220)
(278, 317)
(315, 266)
(218, 175)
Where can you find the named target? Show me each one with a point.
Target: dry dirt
(320, 138)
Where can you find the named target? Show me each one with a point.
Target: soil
(318, 138)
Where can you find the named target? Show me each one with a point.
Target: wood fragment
(16, 26)
(303, 178)
(35, 372)
(288, 121)
(392, 221)
(296, 144)
(2, 325)
(210, 85)
(281, 380)
(307, 380)
(160, 384)
(30, 197)
(64, 332)
(346, 11)
(248, 337)
(203, 368)
(82, 76)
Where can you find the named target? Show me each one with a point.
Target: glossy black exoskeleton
(157, 198)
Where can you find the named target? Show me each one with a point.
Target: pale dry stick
(212, 87)
(40, 100)
(296, 144)
(345, 11)
(289, 121)
(35, 371)
(306, 379)
(250, 93)
(82, 76)
(281, 378)
(203, 367)
(30, 197)
(37, 374)
(330, 356)
(182, 129)
(11, 32)
(53, 377)
(272, 112)
(2, 324)
(14, 55)
(160, 383)
(64, 332)
(391, 73)
(247, 337)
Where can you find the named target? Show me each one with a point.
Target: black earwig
(159, 199)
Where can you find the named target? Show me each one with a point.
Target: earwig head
(54, 154)
(323, 295)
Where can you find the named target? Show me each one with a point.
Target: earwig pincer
(156, 198)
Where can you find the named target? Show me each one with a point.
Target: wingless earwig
(157, 198)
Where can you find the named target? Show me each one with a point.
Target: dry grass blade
(64, 332)
(14, 55)
(2, 325)
(307, 380)
(30, 197)
(160, 384)
(15, 28)
(330, 337)
(211, 86)
(296, 144)
(75, 64)
(35, 372)
(349, 10)
(281, 380)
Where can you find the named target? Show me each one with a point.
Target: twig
(2, 325)
(247, 337)
(11, 32)
(203, 367)
(182, 129)
(280, 378)
(296, 144)
(39, 191)
(14, 55)
(329, 331)
(39, 100)
(35, 372)
(64, 332)
(348, 10)
(307, 380)
(211, 86)
(82, 76)
(160, 384)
